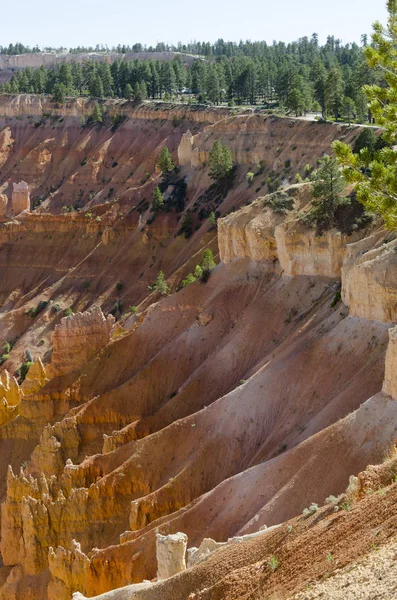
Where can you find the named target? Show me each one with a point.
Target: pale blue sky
(88, 22)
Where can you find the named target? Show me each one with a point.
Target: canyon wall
(236, 392)
(271, 141)
(36, 106)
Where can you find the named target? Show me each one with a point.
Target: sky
(91, 22)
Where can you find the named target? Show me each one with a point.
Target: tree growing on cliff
(97, 114)
(165, 162)
(327, 187)
(207, 261)
(157, 199)
(206, 265)
(160, 284)
(220, 161)
(212, 219)
(375, 173)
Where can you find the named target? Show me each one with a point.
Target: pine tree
(334, 92)
(157, 199)
(128, 91)
(375, 173)
(189, 279)
(160, 284)
(187, 224)
(59, 93)
(139, 93)
(361, 106)
(327, 187)
(295, 101)
(220, 160)
(65, 76)
(165, 162)
(212, 86)
(96, 87)
(349, 108)
(207, 261)
(212, 219)
(97, 114)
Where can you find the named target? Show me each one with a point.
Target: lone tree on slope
(220, 160)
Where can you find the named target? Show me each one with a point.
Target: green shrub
(23, 370)
(68, 311)
(274, 563)
(212, 219)
(133, 310)
(207, 261)
(160, 285)
(33, 312)
(198, 272)
(4, 357)
(189, 279)
(250, 177)
(280, 202)
(311, 510)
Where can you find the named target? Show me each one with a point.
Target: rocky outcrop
(32, 105)
(77, 339)
(35, 378)
(268, 230)
(20, 197)
(3, 205)
(258, 138)
(249, 233)
(369, 278)
(390, 382)
(209, 546)
(170, 551)
(10, 397)
(303, 252)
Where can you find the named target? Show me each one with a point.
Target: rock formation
(369, 278)
(262, 233)
(10, 397)
(390, 382)
(77, 338)
(3, 206)
(20, 197)
(170, 552)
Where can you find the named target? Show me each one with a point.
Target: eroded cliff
(211, 412)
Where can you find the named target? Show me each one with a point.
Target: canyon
(166, 446)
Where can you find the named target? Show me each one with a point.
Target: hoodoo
(20, 197)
